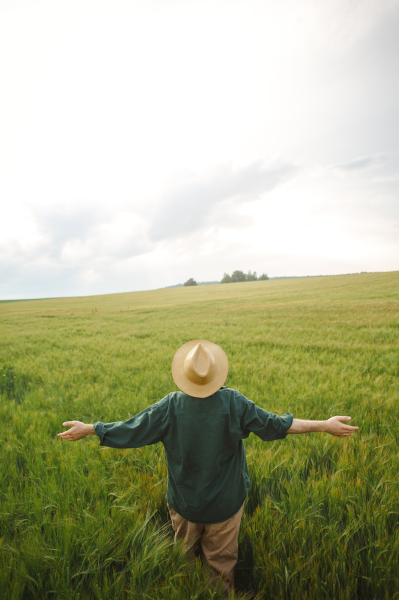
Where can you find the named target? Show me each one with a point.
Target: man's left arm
(332, 426)
(143, 429)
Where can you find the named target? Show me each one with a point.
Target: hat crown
(200, 365)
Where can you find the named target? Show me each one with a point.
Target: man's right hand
(78, 431)
(335, 427)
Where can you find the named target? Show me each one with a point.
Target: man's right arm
(332, 426)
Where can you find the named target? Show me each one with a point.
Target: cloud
(68, 223)
(72, 232)
(70, 247)
(190, 205)
(358, 164)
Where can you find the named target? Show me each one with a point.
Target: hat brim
(194, 389)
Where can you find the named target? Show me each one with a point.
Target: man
(202, 429)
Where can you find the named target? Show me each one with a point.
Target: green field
(322, 517)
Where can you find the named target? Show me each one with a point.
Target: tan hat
(200, 368)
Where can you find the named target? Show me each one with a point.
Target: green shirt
(203, 438)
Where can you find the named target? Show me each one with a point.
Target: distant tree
(252, 276)
(226, 278)
(238, 276)
(190, 281)
(263, 277)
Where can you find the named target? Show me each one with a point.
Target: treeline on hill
(236, 277)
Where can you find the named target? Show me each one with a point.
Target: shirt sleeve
(144, 429)
(264, 424)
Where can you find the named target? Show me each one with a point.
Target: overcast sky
(143, 143)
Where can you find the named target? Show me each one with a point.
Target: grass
(322, 517)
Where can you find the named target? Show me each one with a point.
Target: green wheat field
(322, 517)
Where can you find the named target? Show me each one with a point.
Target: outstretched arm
(332, 426)
(143, 429)
(78, 431)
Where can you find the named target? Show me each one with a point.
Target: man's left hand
(78, 431)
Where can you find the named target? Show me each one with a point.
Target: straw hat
(200, 368)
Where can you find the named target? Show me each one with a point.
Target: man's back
(206, 457)
(207, 469)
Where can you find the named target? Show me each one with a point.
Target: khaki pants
(219, 543)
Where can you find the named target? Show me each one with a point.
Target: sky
(144, 143)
